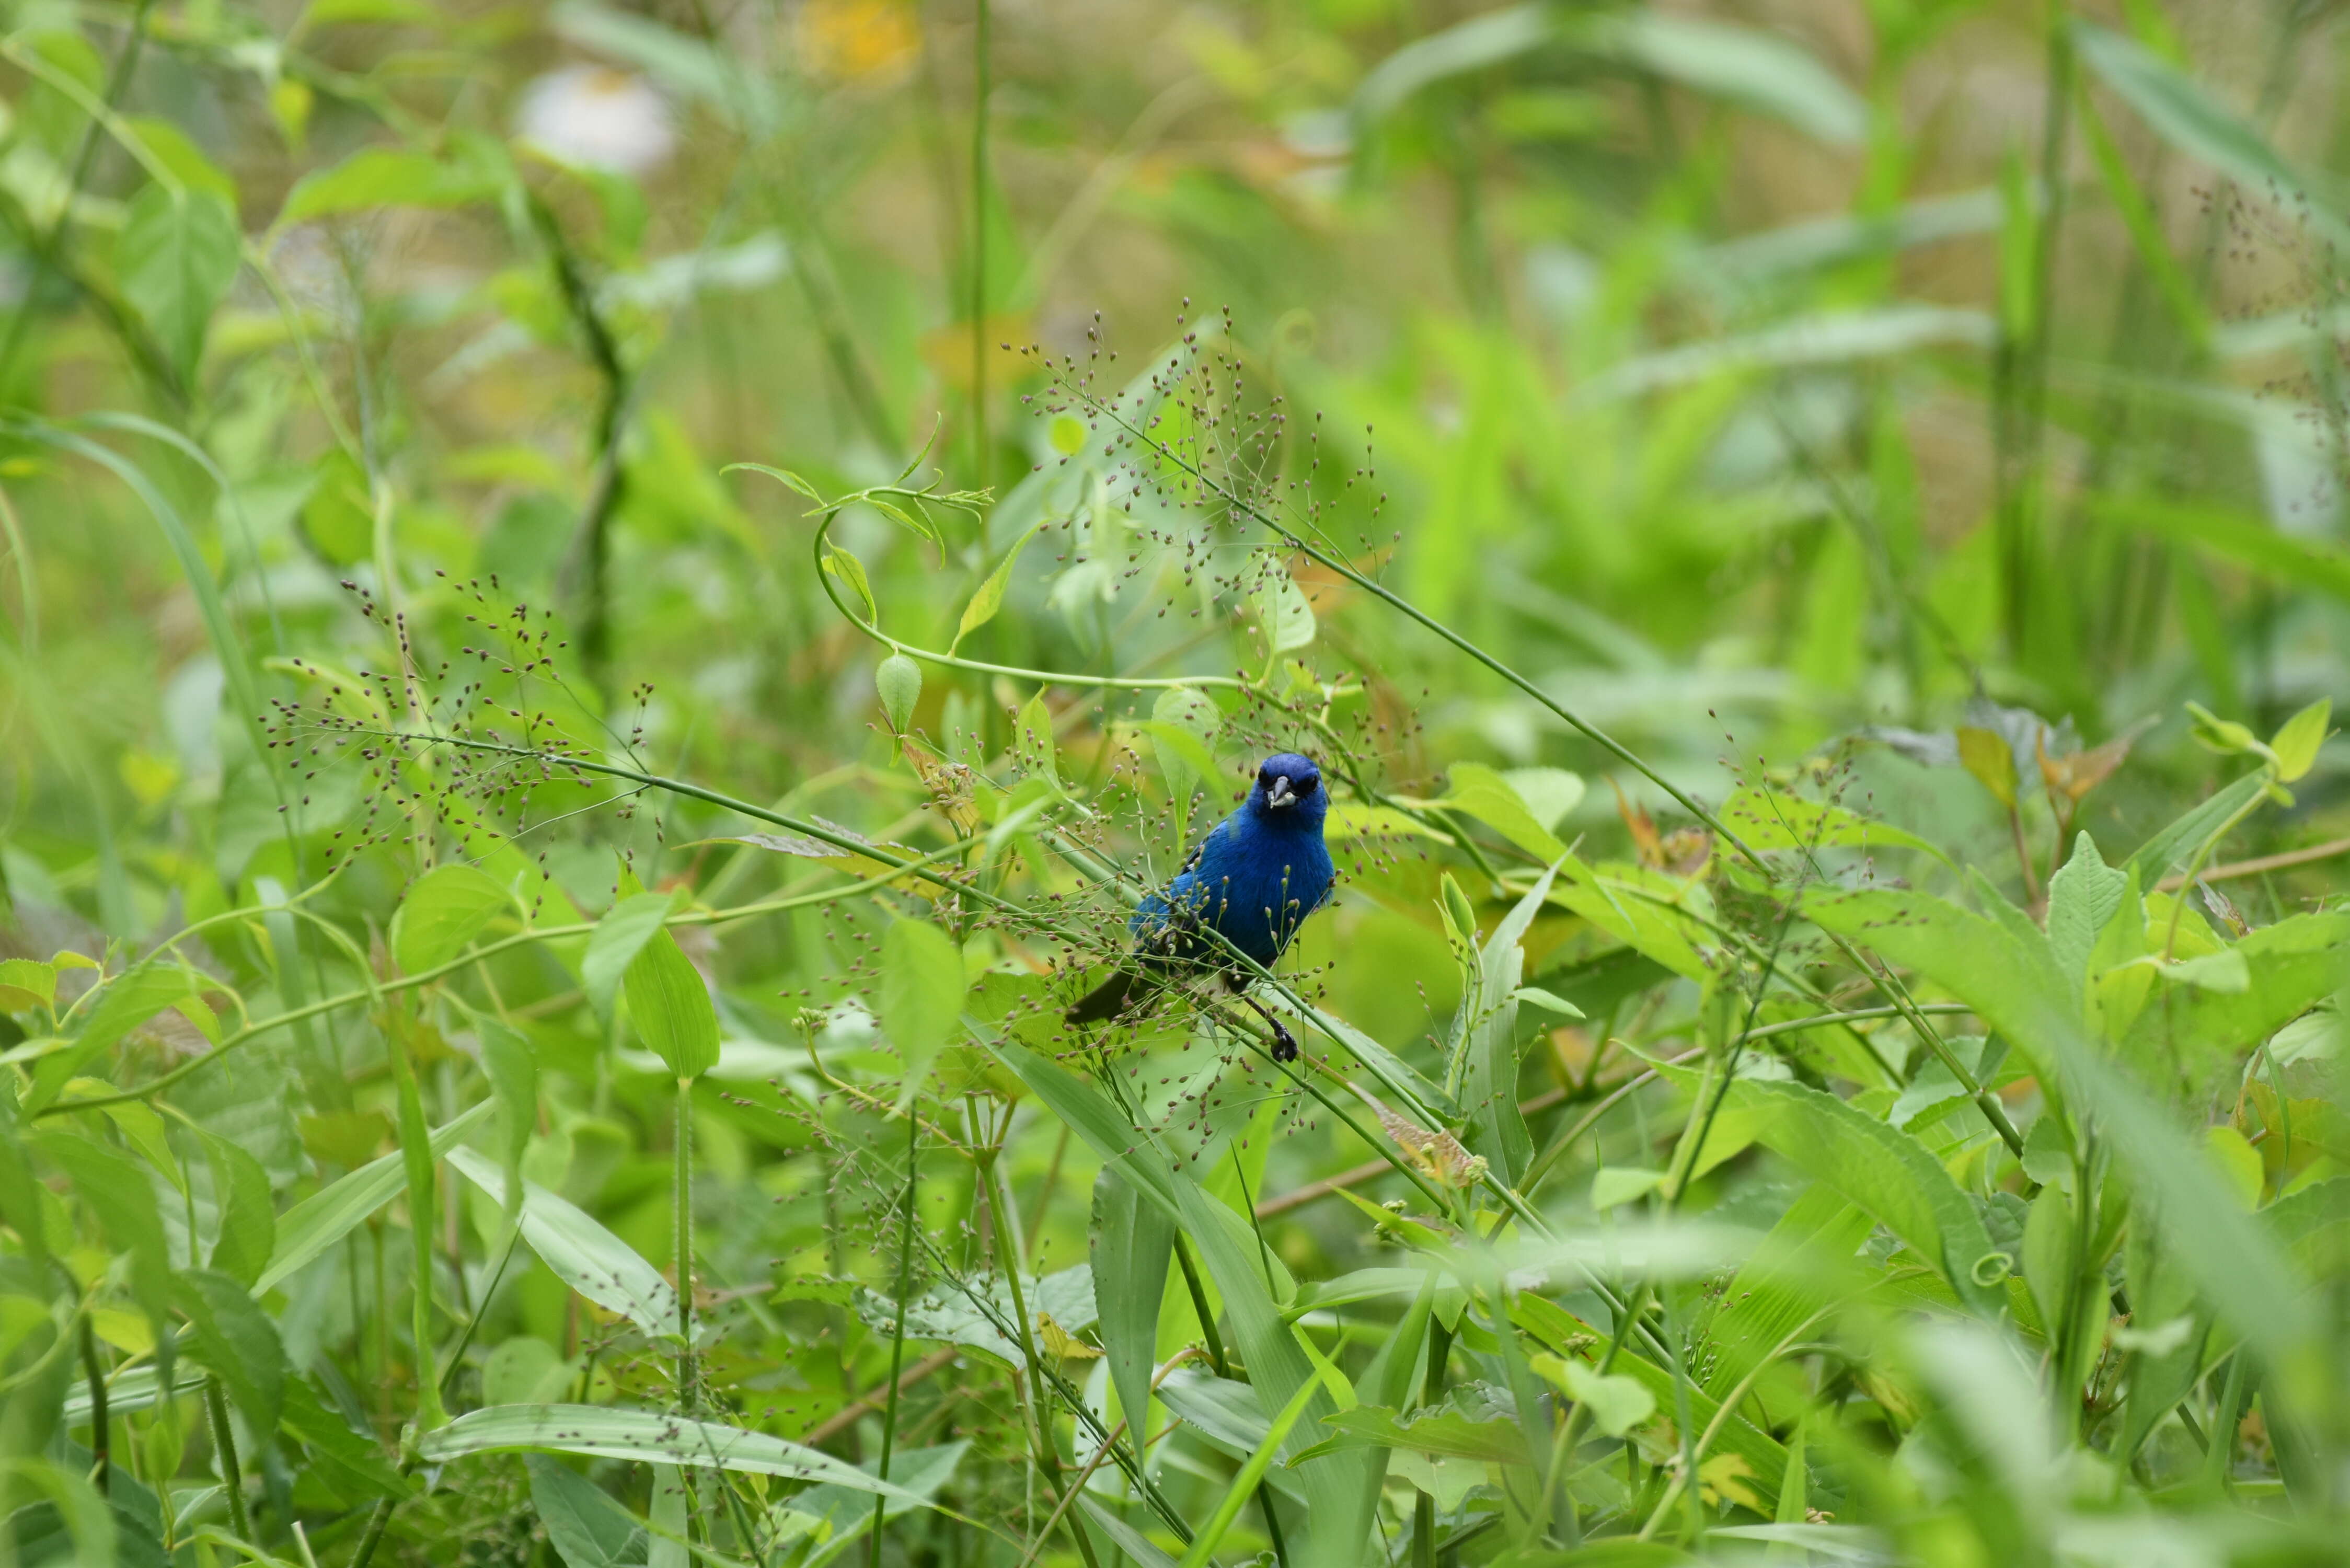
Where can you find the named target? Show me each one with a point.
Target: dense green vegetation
(606, 608)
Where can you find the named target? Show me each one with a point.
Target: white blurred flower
(598, 118)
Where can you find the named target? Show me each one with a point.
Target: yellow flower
(852, 40)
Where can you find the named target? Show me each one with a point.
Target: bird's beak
(1281, 795)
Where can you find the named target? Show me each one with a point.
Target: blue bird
(1252, 881)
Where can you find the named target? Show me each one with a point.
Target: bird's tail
(1110, 998)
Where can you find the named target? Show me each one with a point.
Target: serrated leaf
(236, 1341)
(248, 1218)
(444, 910)
(2081, 896)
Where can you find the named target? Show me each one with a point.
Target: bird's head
(1288, 791)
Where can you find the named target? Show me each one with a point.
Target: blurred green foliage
(606, 611)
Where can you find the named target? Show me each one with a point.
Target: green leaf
(236, 1341)
(1615, 1185)
(1441, 1431)
(1280, 606)
(2081, 896)
(2231, 1000)
(2005, 970)
(842, 563)
(1985, 754)
(354, 1461)
(27, 984)
(2163, 853)
(671, 1008)
(248, 1218)
(1127, 1539)
(1245, 1484)
(584, 1526)
(2182, 113)
(326, 1216)
(1549, 1001)
(897, 681)
(444, 910)
(601, 1431)
(923, 989)
(386, 177)
(2297, 743)
(1764, 72)
(1616, 1404)
(177, 255)
(1486, 795)
(582, 1253)
(1884, 1171)
(1132, 1243)
(989, 598)
(615, 943)
(115, 1189)
(2224, 736)
(172, 149)
(511, 1068)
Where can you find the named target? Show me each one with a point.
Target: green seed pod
(899, 681)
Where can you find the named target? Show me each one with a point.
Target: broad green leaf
(2232, 536)
(444, 908)
(897, 681)
(2297, 741)
(1616, 1404)
(989, 597)
(248, 1216)
(1442, 1432)
(326, 1216)
(386, 177)
(1127, 1539)
(2081, 896)
(511, 1068)
(2003, 970)
(116, 1190)
(586, 1528)
(1614, 1185)
(2232, 1000)
(617, 940)
(602, 1431)
(837, 1515)
(923, 989)
(1280, 606)
(1549, 793)
(582, 1253)
(1548, 1000)
(1132, 1243)
(177, 255)
(1486, 795)
(174, 149)
(671, 1008)
(1884, 1171)
(26, 983)
(354, 1461)
(236, 1341)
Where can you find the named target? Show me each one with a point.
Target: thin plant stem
(683, 1183)
(101, 1431)
(898, 1329)
(984, 85)
(225, 1448)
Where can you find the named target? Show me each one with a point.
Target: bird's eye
(1306, 785)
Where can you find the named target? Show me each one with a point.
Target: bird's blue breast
(1252, 881)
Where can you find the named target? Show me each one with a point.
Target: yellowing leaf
(1985, 754)
(1058, 1341)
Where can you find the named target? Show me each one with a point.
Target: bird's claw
(1284, 1044)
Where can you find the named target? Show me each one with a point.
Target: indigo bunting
(1251, 881)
